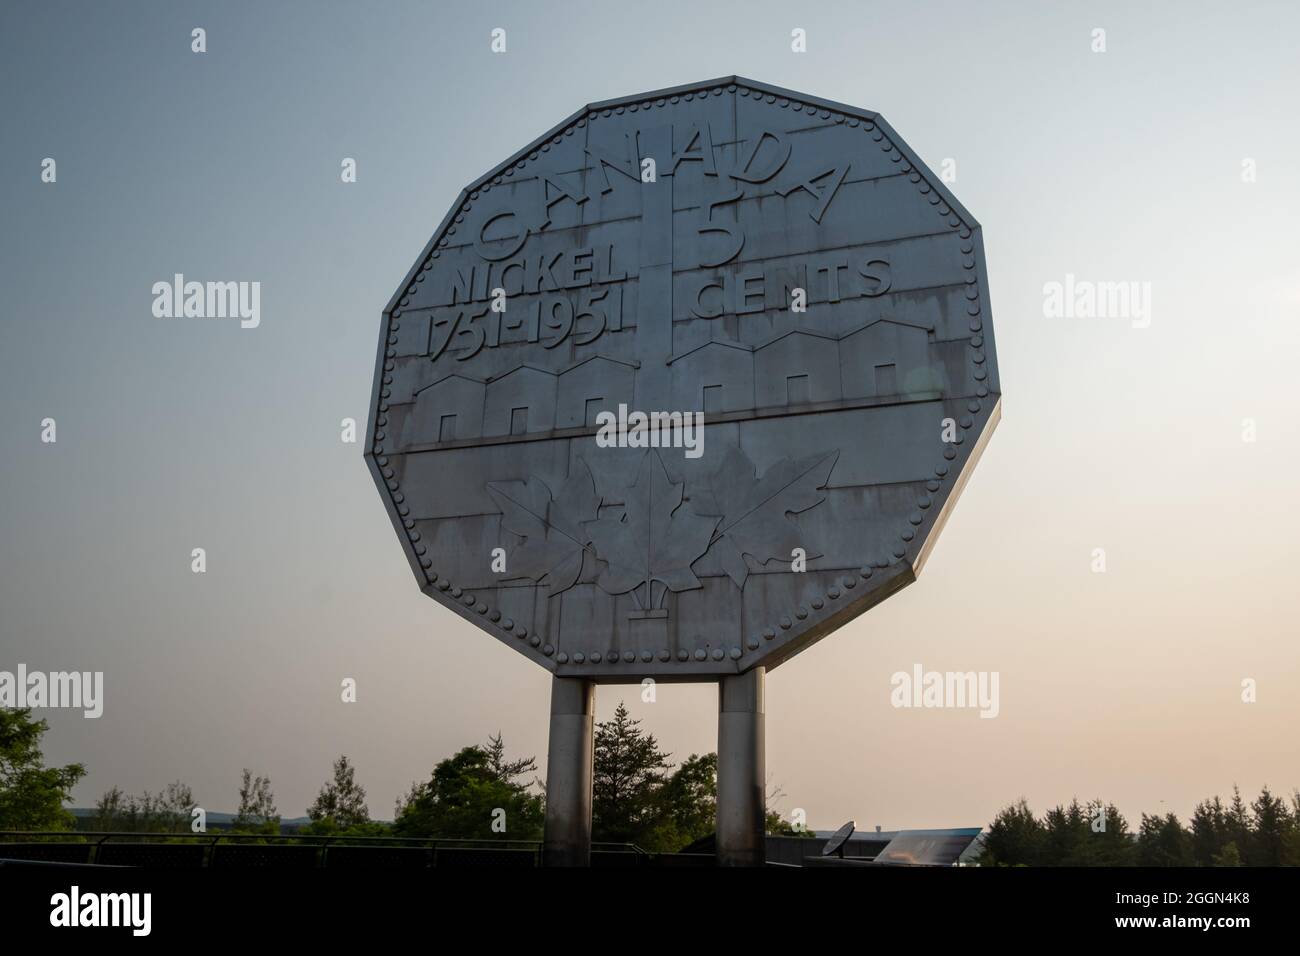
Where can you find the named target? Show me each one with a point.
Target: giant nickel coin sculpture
(684, 385)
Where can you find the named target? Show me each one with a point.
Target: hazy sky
(174, 434)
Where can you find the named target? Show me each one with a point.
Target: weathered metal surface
(569, 766)
(741, 811)
(671, 286)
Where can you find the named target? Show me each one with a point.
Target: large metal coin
(784, 265)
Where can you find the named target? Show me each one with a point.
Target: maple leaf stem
(721, 532)
(584, 545)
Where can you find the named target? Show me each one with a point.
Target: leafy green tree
(342, 801)
(685, 806)
(32, 795)
(175, 806)
(257, 811)
(110, 810)
(168, 811)
(775, 823)
(628, 773)
(475, 794)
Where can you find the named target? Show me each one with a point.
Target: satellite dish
(835, 845)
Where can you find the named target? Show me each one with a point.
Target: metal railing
(202, 850)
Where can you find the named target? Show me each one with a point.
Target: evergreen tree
(1291, 844)
(342, 802)
(1162, 841)
(1271, 825)
(629, 770)
(1228, 856)
(506, 770)
(1264, 833)
(1014, 838)
(1209, 832)
(1065, 835)
(1238, 822)
(1108, 841)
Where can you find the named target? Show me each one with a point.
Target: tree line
(1265, 832)
(638, 795)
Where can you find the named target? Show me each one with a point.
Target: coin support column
(742, 801)
(569, 759)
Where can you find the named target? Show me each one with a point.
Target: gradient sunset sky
(1125, 165)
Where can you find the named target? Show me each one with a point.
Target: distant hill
(216, 819)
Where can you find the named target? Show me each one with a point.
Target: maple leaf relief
(654, 540)
(551, 526)
(755, 512)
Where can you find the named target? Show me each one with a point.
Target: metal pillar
(569, 757)
(742, 800)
